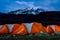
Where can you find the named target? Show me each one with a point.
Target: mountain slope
(46, 18)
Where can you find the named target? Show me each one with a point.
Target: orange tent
(57, 28)
(37, 28)
(15, 27)
(4, 29)
(21, 30)
(49, 29)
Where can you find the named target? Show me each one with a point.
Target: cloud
(29, 4)
(45, 4)
(22, 2)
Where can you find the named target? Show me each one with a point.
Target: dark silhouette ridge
(50, 18)
(46, 18)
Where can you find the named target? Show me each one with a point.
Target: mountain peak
(27, 11)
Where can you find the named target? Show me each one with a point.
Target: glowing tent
(4, 29)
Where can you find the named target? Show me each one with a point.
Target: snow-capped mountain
(27, 11)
